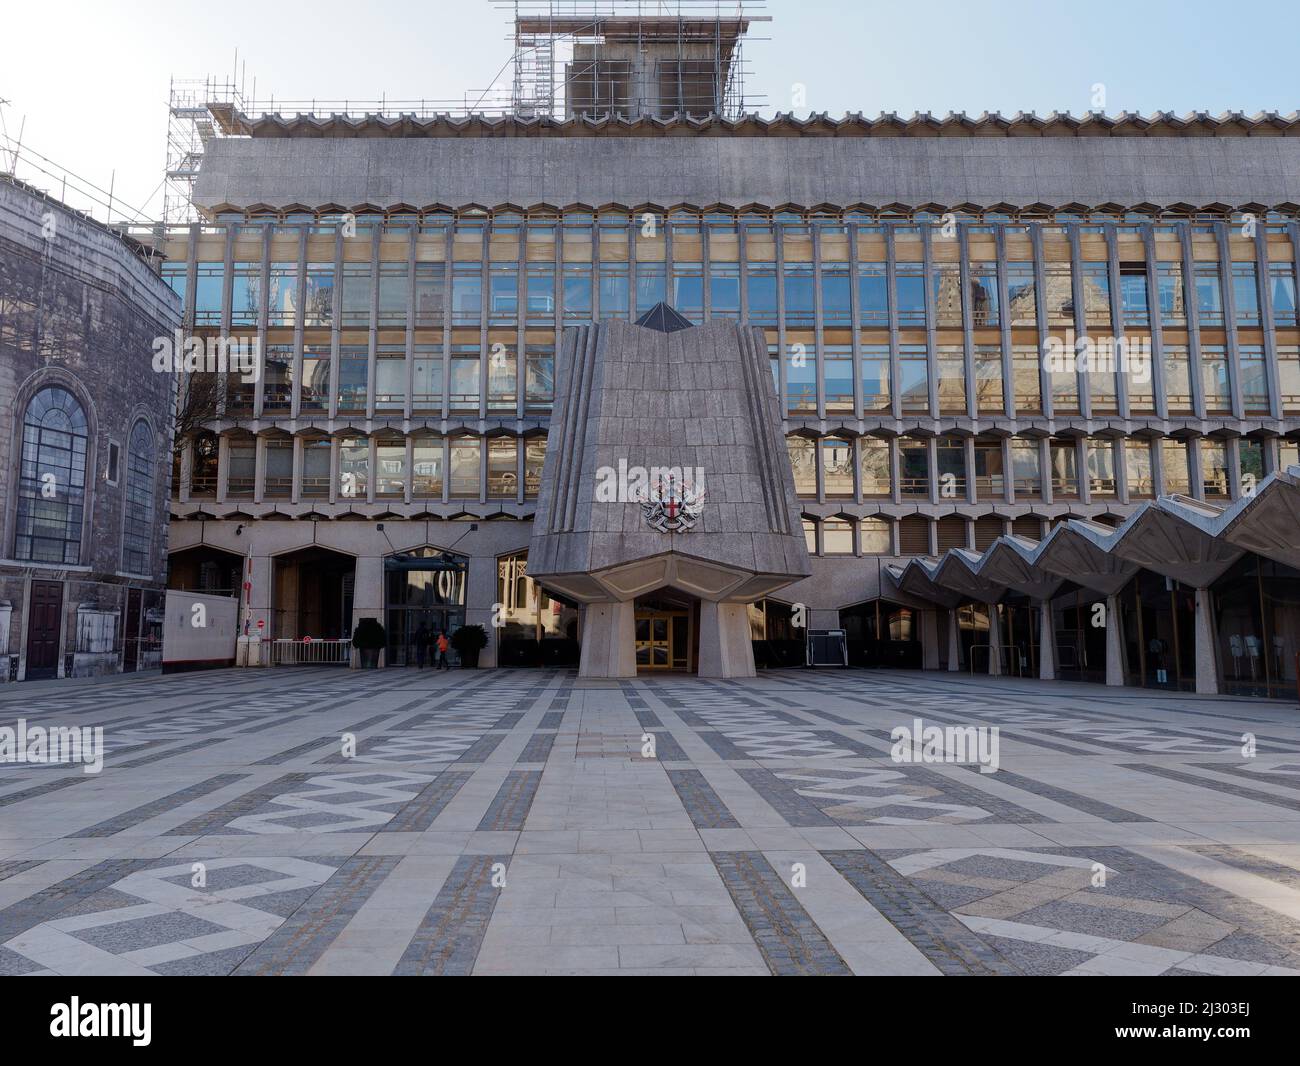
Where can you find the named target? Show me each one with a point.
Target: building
(85, 431)
(978, 330)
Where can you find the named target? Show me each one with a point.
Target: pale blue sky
(91, 78)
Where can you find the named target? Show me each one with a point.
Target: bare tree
(196, 404)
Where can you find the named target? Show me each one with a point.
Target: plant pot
(369, 658)
(469, 658)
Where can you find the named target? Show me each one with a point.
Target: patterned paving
(409, 822)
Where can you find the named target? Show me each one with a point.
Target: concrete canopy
(1010, 560)
(917, 579)
(958, 570)
(1081, 551)
(1268, 523)
(1177, 538)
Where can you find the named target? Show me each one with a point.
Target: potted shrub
(468, 642)
(368, 639)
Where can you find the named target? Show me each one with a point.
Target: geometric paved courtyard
(510, 822)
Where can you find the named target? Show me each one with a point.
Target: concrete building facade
(976, 329)
(85, 440)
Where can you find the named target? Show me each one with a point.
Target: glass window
(277, 379)
(837, 309)
(837, 537)
(394, 288)
(503, 380)
(1059, 302)
(390, 467)
(945, 280)
(1137, 462)
(430, 293)
(1178, 380)
(426, 375)
(1288, 373)
(876, 536)
(950, 453)
(356, 295)
(1020, 294)
(837, 377)
(1096, 293)
(390, 379)
(688, 290)
(1209, 294)
(577, 292)
(760, 291)
(1065, 468)
(282, 295)
(909, 293)
(913, 378)
(277, 481)
(651, 286)
(1214, 379)
(801, 381)
(208, 284)
(540, 310)
(465, 462)
(1173, 464)
(1101, 466)
(613, 290)
(1133, 293)
(466, 294)
(246, 294)
(1281, 279)
(950, 361)
(137, 536)
(1026, 379)
(837, 468)
(354, 468)
(803, 462)
(724, 290)
(913, 467)
(316, 469)
(315, 379)
(988, 379)
(539, 383)
(1250, 455)
(534, 458)
(875, 467)
(873, 295)
(241, 469)
(354, 368)
(464, 377)
(984, 294)
(875, 378)
(426, 467)
(1245, 293)
(175, 274)
(1214, 468)
(1169, 282)
(1026, 468)
(502, 472)
(989, 483)
(1254, 379)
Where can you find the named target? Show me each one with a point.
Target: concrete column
(1114, 642)
(608, 640)
(260, 598)
(368, 597)
(995, 641)
(1046, 642)
(930, 640)
(1207, 655)
(725, 646)
(954, 660)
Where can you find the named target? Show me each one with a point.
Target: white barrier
(290, 652)
(198, 630)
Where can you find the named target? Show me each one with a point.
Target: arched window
(52, 478)
(137, 534)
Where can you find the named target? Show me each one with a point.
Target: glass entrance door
(663, 640)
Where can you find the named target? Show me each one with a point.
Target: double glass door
(663, 640)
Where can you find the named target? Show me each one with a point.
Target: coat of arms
(672, 506)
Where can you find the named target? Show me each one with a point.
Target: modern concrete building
(85, 432)
(977, 331)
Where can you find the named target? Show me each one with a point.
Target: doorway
(666, 627)
(44, 629)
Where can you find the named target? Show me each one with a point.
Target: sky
(87, 81)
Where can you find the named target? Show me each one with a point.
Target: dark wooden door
(131, 639)
(43, 629)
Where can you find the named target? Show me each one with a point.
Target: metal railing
(288, 651)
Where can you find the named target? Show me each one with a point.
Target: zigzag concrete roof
(1177, 537)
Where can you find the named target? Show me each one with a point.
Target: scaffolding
(630, 58)
(571, 58)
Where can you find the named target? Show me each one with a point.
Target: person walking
(443, 645)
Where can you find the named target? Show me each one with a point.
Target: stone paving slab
(518, 822)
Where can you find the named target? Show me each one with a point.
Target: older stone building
(978, 330)
(85, 443)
